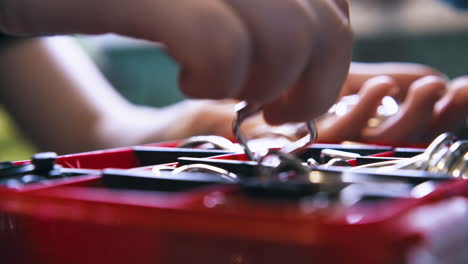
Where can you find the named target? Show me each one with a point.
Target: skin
(281, 54)
(67, 113)
(430, 104)
(62, 103)
(294, 68)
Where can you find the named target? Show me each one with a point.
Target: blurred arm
(61, 101)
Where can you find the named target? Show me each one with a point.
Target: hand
(213, 117)
(429, 104)
(290, 56)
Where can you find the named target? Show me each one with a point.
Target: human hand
(290, 56)
(429, 104)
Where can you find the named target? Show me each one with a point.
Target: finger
(415, 115)
(350, 125)
(452, 109)
(207, 39)
(282, 35)
(403, 73)
(203, 117)
(213, 49)
(327, 68)
(343, 5)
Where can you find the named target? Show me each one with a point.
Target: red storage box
(80, 220)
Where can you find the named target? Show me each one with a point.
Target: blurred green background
(13, 146)
(422, 31)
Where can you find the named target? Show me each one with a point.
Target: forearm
(31, 17)
(62, 103)
(281, 57)
(58, 98)
(43, 96)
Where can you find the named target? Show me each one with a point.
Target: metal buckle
(286, 155)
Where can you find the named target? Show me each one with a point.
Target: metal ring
(244, 111)
(286, 154)
(299, 145)
(452, 155)
(437, 162)
(444, 140)
(218, 142)
(460, 167)
(423, 161)
(337, 162)
(285, 159)
(420, 162)
(327, 154)
(311, 162)
(200, 167)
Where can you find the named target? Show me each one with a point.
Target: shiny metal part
(420, 161)
(444, 155)
(311, 162)
(460, 168)
(327, 154)
(245, 111)
(200, 167)
(337, 162)
(450, 157)
(298, 146)
(436, 150)
(382, 164)
(160, 168)
(216, 142)
(270, 165)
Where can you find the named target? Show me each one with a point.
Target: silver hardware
(200, 167)
(216, 142)
(327, 154)
(286, 156)
(244, 111)
(444, 155)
